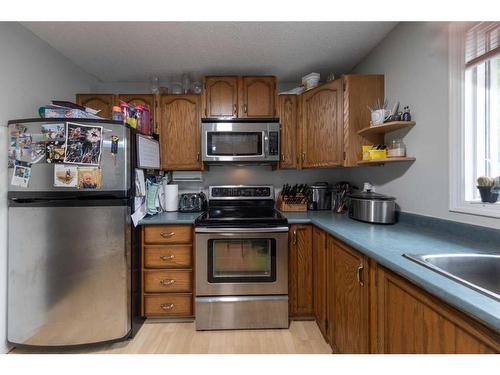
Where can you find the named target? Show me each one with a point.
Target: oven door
(244, 261)
(233, 142)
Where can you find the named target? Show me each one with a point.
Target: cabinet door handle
(235, 107)
(198, 156)
(245, 108)
(167, 282)
(303, 156)
(167, 306)
(167, 257)
(358, 275)
(294, 241)
(167, 235)
(283, 157)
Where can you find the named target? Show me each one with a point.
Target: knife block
(288, 204)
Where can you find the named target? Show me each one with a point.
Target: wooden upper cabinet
(180, 132)
(141, 99)
(102, 102)
(412, 321)
(322, 126)
(220, 97)
(300, 271)
(349, 298)
(320, 281)
(360, 91)
(258, 96)
(287, 112)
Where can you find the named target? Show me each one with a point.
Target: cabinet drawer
(168, 234)
(159, 281)
(168, 305)
(172, 256)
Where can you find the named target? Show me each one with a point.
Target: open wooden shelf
(385, 128)
(386, 160)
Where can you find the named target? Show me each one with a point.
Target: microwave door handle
(266, 144)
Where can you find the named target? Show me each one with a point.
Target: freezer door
(68, 274)
(115, 170)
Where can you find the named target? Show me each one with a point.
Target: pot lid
(371, 195)
(320, 185)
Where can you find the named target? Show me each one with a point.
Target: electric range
(241, 260)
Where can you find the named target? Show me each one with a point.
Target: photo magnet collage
(74, 149)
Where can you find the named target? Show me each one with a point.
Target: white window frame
(457, 128)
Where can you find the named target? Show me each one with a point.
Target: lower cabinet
(167, 271)
(348, 299)
(300, 271)
(320, 285)
(412, 321)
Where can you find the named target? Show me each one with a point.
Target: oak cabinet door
(300, 271)
(287, 112)
(320, 282)
(102, 102)
(258, 96)
(322, 126)
(411, 321)
(349, 300)
(141, 99)
(221, 97)
(180, 132)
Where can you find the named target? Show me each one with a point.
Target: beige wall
(32, 73)
(414, 59)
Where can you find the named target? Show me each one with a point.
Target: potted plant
(488, 189)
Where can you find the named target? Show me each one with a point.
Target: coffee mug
(379, 116)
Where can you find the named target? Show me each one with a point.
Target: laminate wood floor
(302, 337)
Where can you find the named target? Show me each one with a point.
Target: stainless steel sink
(477, 271)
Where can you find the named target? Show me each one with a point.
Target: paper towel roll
(171, 197)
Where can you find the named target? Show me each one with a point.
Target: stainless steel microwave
(240, 141)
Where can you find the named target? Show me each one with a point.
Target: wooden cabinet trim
(180, 133)
(476, 330)
(301, 297)
(360, 91)
(168, 281)
(320, 283)
(269, 89)
(168, 234)
(208, 100)
(322, 129)
(168, 256)
(183, 305)
(351, 320)
(105, 105)
(287, 112)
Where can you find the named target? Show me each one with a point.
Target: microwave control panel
(273, 143)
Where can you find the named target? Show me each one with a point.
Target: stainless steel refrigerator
(69, 244)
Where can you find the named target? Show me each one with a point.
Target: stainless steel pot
(372, 208)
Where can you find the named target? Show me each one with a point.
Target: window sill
(478, 208)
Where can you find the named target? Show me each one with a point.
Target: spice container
(396, 149)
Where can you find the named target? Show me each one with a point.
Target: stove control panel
(241, 192)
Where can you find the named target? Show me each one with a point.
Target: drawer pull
(167, 235)
(167, 306)
(167, 282)
(167, 257)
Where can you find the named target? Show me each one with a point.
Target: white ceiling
(134, 51)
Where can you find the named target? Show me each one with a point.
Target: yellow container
(366, 152)
(378, 154)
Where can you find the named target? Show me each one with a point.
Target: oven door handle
(240, 230)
